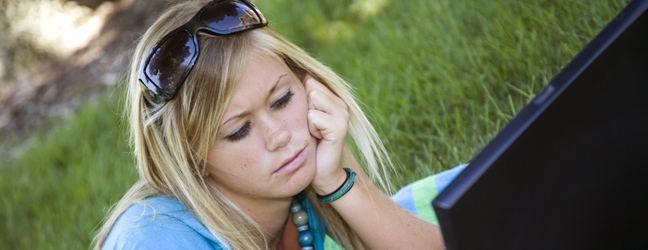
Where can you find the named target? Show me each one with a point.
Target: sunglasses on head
(170, 61)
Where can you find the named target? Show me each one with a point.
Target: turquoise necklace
(300, 219)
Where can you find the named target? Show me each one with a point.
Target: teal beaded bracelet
(342, 190)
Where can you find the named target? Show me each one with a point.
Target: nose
(276, 136)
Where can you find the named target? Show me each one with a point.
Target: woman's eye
(283, 101)
(240, 133)
(245, 129)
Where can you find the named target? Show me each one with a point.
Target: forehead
(260, 74)
(262, 69)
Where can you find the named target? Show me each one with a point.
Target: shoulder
(160, 223)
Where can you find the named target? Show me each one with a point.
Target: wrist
(331, 184)
(341, 190)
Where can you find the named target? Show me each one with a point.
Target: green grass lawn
(438, 78)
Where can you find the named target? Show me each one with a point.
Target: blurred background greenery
(438, 78)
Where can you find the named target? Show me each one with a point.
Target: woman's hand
(397, 228)
(328, 119)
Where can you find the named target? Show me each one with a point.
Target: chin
(304, 177)
(309, 175)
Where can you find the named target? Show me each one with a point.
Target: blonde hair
(171, 140)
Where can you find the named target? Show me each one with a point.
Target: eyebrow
(276, 83)
(247, 112)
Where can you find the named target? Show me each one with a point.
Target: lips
(292, 163)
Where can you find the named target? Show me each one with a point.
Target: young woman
(240, 142)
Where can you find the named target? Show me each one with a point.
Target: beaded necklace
(300, 219)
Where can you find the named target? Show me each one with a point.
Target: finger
(311, 84)
(326, 127)
(327, 103)
(312, 128)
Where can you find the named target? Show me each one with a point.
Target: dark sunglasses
(170, 61)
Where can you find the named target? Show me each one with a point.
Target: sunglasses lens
(228, 17)
(171, 61)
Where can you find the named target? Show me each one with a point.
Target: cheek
(230, 161)
(298, 113)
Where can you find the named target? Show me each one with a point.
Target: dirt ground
(57, 88)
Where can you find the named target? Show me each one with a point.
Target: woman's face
(264, 149)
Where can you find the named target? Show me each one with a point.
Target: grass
(439, 79)
(443, 77)
(58, 190)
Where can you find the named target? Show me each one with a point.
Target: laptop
(570, 171)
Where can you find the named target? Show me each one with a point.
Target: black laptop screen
(571, 170)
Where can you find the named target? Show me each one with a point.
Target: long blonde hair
(171, 140)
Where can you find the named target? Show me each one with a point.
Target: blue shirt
(164, 223)
(160, 223)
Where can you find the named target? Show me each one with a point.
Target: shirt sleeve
(417, 197)
(162, 223)
(161, 233)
